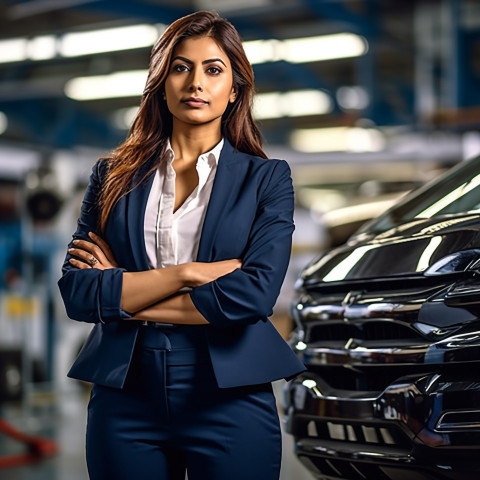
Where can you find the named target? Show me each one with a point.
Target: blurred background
(366, 99)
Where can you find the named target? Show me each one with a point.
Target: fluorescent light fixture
(267, 105)
(337, 139)
(352, 98)
(306, 102)
(263, 51)
(76, 44)
(21, 49)
(42, 47)
(325, 47)
(297, 50)
(108, 40)
(13, 50)
(3, 123)
(123, 118)
(306, 49)
(296, 103)
(116, 85)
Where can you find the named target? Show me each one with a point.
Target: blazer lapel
(226, 178)
(136, 205)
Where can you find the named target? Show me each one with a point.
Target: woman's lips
(195, 102)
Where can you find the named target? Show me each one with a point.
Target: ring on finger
(92, 261)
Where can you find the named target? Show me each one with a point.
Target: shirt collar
(209, 158)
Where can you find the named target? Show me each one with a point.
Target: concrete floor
(62, 417)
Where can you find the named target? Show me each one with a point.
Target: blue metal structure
(52, 119)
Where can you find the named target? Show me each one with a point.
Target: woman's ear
(233, 95)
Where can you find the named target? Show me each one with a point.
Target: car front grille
(333, 468)
(366, 379)
(370, 330)
(352, 436)
(353, 433)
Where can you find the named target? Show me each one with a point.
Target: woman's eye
(214, 70)
(180, 68)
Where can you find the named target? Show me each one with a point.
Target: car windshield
(456, 192)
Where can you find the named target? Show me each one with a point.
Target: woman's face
(199, 85)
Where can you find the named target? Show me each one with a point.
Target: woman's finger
(83, 255)
(91, 248)
(89, 262)
(104, 246)
(79, 264)
(86, 257)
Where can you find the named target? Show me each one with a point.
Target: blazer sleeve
(91, 295)
(248, 295)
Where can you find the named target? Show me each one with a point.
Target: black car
(388, 326)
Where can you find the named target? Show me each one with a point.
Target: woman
(193, 239)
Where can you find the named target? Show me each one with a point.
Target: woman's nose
(197, 83)
(196, 86)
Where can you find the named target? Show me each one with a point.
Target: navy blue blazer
(249, 216)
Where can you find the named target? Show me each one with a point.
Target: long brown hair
(152, 126)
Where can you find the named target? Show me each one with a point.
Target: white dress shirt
(172, 238)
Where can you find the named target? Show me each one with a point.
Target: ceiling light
(3, 123)
(306, 49)
(267, 105)
(13, 50)
(262, 51)
(20, 49)
(337, 139)
(352, 98)
(123, 118)
(298, 50)
(296, 103)
(325, 47)
(42, 47)
(108, 40)
(306, 102)
(115, 85)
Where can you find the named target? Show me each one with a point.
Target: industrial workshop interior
(375, 106)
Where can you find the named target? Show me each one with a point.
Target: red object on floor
(38, 447)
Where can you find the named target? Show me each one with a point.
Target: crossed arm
(225, 293)
(159, 304)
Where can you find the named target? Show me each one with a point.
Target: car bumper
(420, 427)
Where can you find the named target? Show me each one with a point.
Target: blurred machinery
(26, 315)
(28, 208)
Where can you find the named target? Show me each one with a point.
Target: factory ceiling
(418, 66)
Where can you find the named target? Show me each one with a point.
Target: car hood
(441, 245)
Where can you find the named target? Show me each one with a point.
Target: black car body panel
(388, 326)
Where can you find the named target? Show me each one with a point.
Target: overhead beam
(59, 123)
(36, 7)
(333, 10)
(137, 10)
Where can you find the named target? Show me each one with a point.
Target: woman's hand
(199, 273)
(92, 255)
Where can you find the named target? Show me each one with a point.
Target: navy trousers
(171, 418)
